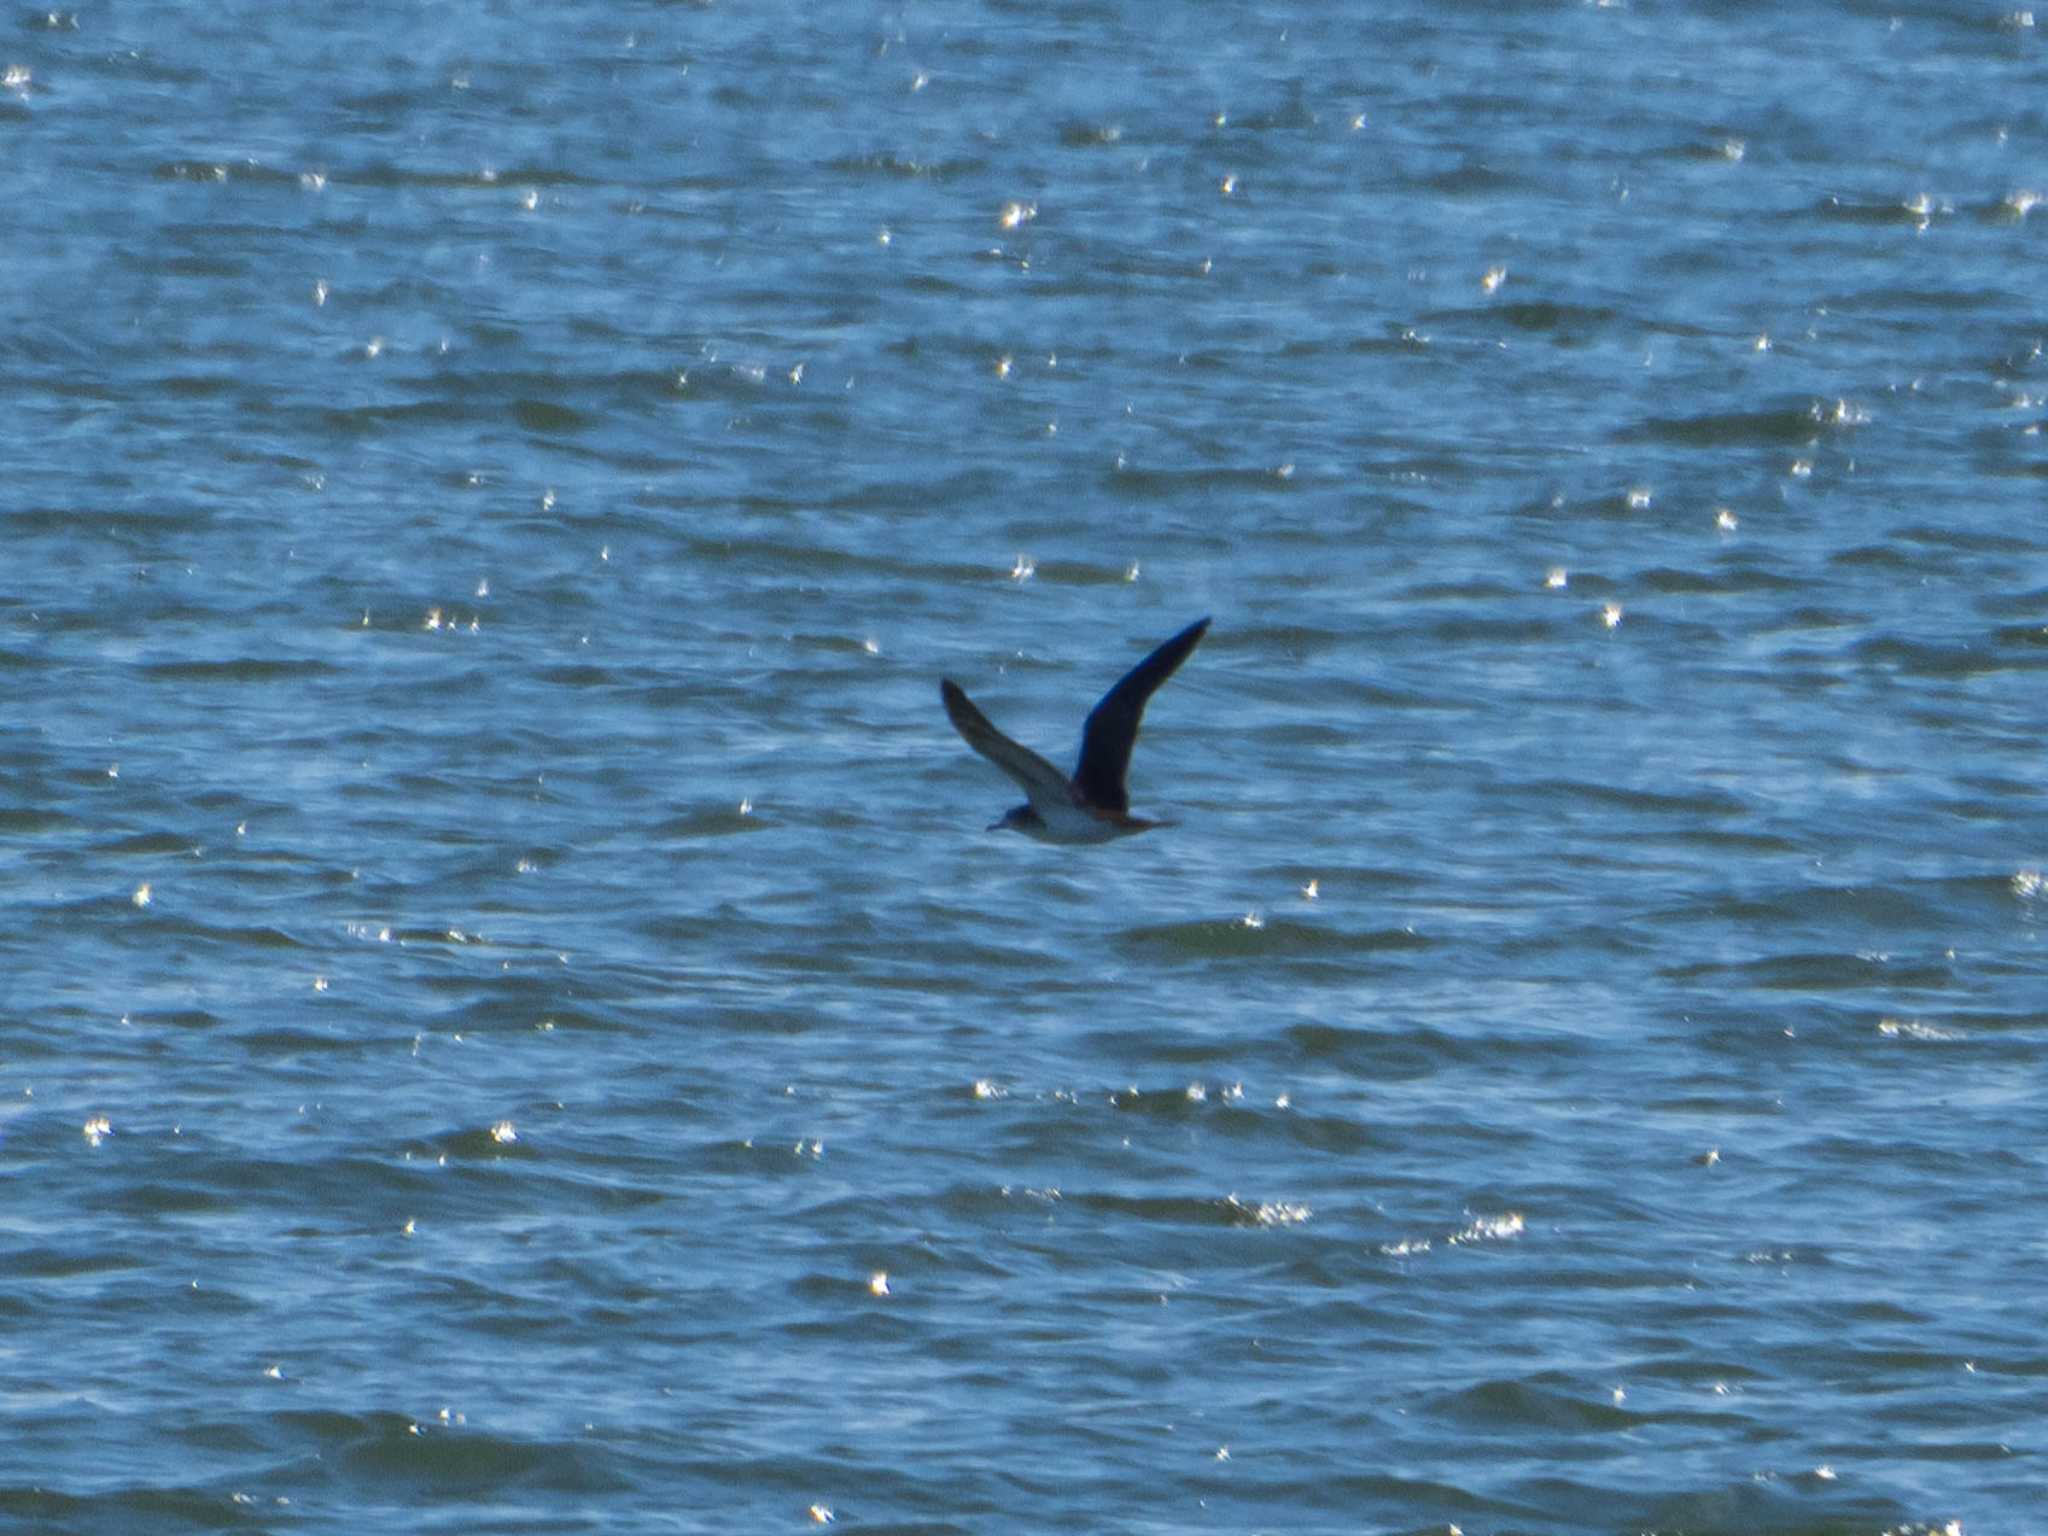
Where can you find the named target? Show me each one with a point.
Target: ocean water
(510, 1019)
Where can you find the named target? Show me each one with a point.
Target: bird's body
(1093, 806)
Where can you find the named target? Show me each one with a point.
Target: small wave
(1222, 939)
(242, 669)
(1196, 1211)
(1547, 1402)
(1775, 427)
(1815, 972)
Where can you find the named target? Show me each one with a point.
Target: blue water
(510, 1019)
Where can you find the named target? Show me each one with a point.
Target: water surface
(509, 1017)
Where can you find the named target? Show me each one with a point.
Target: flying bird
(1093, 806)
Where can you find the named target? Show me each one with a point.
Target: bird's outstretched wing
(1043, 785)
(1112, 728)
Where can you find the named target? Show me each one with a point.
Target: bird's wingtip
(959, 708)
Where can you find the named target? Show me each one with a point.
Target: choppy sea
(511, 1019)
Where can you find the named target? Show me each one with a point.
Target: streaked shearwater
(1093, 806)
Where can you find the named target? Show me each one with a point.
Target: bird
(1093, 806)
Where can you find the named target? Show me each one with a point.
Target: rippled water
(510, 1019)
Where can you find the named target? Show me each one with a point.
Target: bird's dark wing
(1043, 785)
(1112, 728)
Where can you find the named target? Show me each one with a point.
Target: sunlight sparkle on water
(1913, 1029)
(1271, 1213)
(1491, 1229)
